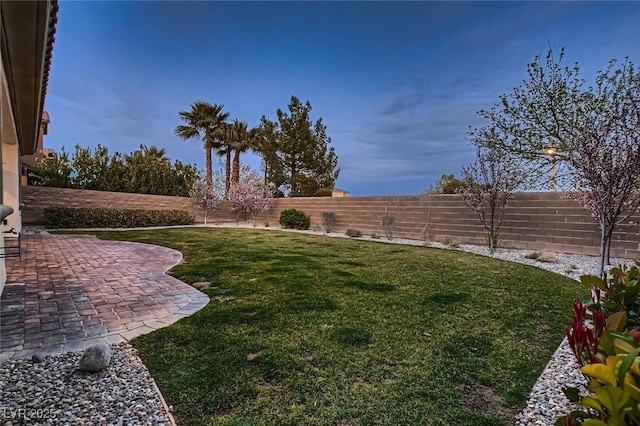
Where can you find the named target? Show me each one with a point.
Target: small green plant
(328, 221)
(375, 236)
(492, 240)
(451, 242)
(354, 233)
(388, 224)
(618, 292)
(294, 219)
(607, 349)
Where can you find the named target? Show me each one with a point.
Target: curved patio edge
(73, 291)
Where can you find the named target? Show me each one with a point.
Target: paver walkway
(70, 291)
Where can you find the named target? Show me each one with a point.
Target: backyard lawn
(313, 330)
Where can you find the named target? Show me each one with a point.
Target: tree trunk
(227, 173)
(208, 165)
(266, 170)
(492, 231)
(236, 168)
(603, 250)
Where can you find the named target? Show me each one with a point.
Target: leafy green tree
(297, 157)
(447, 184)
(56, 170)
(205, 121)
(91, 168)
(146, 170)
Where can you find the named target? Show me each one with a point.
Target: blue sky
(397, 83)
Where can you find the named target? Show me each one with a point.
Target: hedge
(69, 217)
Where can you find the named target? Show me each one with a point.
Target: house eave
(27, 35)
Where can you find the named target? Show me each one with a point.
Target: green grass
(324, 331)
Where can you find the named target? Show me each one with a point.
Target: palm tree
(224, 149)
(240, 143)
(203, 120)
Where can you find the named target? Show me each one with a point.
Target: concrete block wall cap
(5, 211)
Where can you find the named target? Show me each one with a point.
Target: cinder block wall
(37, 198)
(532, 221)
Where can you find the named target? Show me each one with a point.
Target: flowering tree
(205, 195)
(594, 130)
(489, 183)
(606, 158)
(250, 196)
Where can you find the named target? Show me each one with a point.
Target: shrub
(69, 217)
(492, 240)
(354, 233)
(294, 219)
(328, 221)
(607, 349)
(388, 223)
(451, 242)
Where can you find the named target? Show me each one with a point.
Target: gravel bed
(53, 392)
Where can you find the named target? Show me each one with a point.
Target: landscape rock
(95, 358)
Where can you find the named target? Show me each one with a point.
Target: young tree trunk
(492, 231)
(603, 251)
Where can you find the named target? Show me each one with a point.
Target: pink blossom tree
(606, 156)
(205, 195)
(251, 196)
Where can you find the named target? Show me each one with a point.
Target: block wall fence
(533, 221)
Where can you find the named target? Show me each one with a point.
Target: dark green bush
(354, 233)
(69, 217)
(294, 219)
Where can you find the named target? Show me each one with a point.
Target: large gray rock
(95, 358)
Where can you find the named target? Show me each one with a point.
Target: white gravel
(53, 392)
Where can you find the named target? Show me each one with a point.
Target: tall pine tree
(298, 161)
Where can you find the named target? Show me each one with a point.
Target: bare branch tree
(490, 182)
(606, 160)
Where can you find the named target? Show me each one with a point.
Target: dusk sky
(397, 84)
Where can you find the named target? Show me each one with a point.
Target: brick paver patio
(70, 291)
